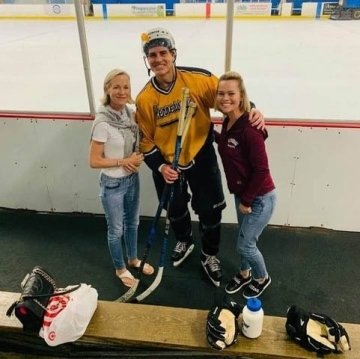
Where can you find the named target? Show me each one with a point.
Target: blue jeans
(120, 198)
(251, 226)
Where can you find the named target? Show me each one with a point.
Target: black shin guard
(210, 229)
(181, 226)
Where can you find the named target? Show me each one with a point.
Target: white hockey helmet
(157, 37)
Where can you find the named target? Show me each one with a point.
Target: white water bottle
(252, 318)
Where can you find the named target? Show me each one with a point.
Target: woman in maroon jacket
(243, 153)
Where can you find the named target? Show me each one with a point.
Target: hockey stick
(184, 123)
(183, 126)
(164, 196)
(150, 238)
(160, 271)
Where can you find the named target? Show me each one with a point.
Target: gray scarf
(124, 123)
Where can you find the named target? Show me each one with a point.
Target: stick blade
(151, 288)
(129, 294)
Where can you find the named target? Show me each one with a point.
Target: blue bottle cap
(253, 304)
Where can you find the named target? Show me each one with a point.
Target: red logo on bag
(54, 307)
(52, 336)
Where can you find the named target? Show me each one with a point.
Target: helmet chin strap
(147, 68)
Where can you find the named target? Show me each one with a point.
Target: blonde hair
(105, 100)
(232, 75)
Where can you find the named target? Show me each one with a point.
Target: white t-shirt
(113, 140)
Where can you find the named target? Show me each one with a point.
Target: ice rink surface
(304, 69)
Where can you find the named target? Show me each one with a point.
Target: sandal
(127, 278)
(147, 270)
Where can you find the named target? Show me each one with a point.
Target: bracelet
(118, 163)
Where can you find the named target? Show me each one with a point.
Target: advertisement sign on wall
(260, 8)
(148, 10)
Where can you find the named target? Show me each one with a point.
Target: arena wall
(312, 164)
(313, 10)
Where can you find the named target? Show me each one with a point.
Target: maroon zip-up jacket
(243, 154)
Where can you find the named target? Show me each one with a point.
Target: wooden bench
(133, 328)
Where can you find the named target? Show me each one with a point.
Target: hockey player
(157, 112)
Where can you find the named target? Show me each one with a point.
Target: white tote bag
(67, 316)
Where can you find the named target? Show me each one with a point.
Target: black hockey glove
(316, 332)
(222, 326)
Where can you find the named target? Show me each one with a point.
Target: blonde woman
(242, 150)
(114, 149)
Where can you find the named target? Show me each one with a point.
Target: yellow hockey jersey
(157, 114)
